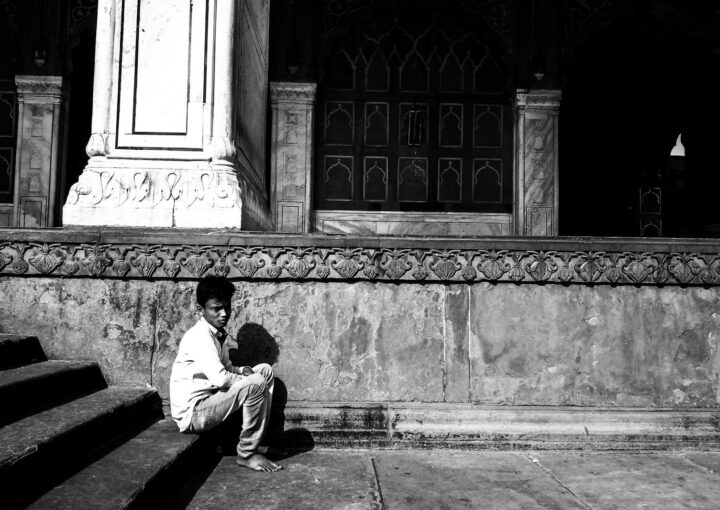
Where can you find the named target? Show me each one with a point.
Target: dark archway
(645, 72)
(81, 72)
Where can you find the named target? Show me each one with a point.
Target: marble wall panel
(603, 346)
(111, 322)
(377, 342)
(161, 80)
(457, 359)
(162, 53)
(367, 342)
(427, 224)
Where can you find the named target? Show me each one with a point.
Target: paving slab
(456, 479)
(708, 460)
(438, 479)
(632, 480)
(328, 480)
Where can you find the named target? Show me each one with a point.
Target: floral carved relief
(52, 258)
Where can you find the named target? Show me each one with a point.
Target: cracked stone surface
(370, 341)
(447, 479)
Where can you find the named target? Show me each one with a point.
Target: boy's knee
(264, 369)
(256, 380)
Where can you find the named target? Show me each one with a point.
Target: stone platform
(453, 479)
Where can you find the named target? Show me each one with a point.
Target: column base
(138, 194)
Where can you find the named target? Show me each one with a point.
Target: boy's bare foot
(258, 462)
(272, 452)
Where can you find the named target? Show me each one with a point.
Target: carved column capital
(540, 99)
(47, 88)
(289, 92)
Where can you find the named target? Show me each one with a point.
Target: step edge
(134, 399)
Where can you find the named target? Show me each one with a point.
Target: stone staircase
(67, 440)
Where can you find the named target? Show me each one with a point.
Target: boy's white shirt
(201, 368)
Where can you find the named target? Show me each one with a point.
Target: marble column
(40, 109)
(163, 145)
(291, 163)
(535, 209)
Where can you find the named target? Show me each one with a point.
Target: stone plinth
(292, 149)
(165, 137)
(535, 200)
(496, 321)
(40, 106)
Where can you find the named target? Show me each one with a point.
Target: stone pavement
(440, 479)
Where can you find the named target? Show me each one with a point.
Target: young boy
(205, 388)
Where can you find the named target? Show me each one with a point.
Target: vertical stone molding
(102, 81)
(535, 208)
(40, 109)
(163, 147)
(291, 170)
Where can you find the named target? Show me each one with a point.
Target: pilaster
(40, 106)
(535, 208)
(163, 148)
(292, 149)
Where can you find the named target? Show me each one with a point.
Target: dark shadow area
(80, 108)
(204, 463)
(636, 83)
(256, 345)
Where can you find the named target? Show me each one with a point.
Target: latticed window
(413, 116)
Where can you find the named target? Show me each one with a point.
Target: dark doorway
(82, 66)
(642, 77)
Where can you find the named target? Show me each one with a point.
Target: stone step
(18, 350)
(140, 473)
(37, 451)
(32, 388)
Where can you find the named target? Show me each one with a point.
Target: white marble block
(165, 132)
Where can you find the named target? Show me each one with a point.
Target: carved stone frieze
(27, 253)
(548, 99)
(145, 189)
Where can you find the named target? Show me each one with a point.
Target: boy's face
(216, 312)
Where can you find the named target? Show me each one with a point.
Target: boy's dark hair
(214, 287)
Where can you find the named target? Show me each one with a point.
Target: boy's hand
(246, 371)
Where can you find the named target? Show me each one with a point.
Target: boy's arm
(238, 370)
(208, 360)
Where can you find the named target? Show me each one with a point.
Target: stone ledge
(192, 254)
(403, 425)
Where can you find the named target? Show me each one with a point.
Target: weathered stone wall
(348, 341)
